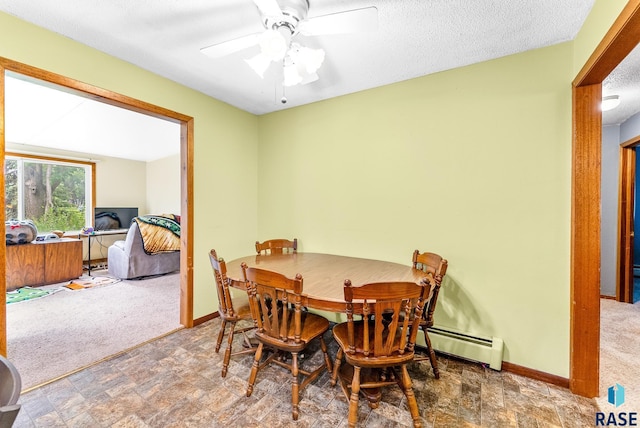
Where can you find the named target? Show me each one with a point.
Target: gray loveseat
(127, 259)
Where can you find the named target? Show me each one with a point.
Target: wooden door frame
(621, 38)
(186, 174)
(626, 203)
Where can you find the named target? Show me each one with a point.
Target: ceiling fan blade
(231, 46)
(268, 7)
(351, 21)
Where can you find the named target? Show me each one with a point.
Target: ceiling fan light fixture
(291, 75)
(259, 64)
(312, 59)
(296, 75)
(275, 43)
(301, 65)
(610, 102)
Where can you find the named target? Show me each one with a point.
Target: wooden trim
(626, 207)
(560, 381)
(186, 222)
(632, 142)
(93, 193)
(186, 150)
(3, 248)
(602, 296)
(626, 202)
(585, 240)
(47, 158)
(72, 161)
(93, 92)
(621, 38)
(206, 318)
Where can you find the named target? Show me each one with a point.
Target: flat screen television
(109, 218)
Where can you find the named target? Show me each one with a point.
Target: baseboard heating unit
(486, 350)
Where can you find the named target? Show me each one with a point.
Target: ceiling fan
(285, 19)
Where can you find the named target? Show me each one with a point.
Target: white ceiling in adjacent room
(45, 116)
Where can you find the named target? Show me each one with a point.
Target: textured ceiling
(625, 82)
(413, 38)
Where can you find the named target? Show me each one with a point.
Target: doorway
(628, 284)
(186, 174)
(621, 38)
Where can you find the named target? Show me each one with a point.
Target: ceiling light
(610, 102)
(301, 64)
(259, 63)
(274, 45)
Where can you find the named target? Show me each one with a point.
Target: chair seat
(241, 309)
(314, 326)
(340, 334)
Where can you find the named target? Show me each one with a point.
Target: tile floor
(175, 382)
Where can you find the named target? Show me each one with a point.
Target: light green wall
(225, 146)
(602, 16)
(473, 164)
(163, 185)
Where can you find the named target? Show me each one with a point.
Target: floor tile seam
(483, 404)
(61, 412)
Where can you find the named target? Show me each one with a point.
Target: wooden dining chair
(380, 341)
(231, 311)
(277, 246)
(437, 266)
(283, 327)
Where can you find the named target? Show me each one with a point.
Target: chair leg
(295, 387)
(336, 366)
(327, 360)
(220, 335)
(254, 369)
(411, 398)
(353, 400)
(227, 352)
(432, 355)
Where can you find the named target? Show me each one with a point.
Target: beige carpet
(69, 329)
(619, 353)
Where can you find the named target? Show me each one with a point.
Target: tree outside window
(52, 194)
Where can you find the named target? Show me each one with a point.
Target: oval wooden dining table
(324, 274)
(323, 278)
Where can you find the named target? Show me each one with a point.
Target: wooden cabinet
(45, 262)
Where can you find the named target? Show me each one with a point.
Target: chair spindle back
(437, 266)
(276, 303)
(396, 308)
(225, 304)
(277, 246)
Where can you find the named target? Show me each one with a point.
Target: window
(52, 192)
